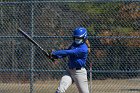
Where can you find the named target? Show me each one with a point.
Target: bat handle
(48, 55)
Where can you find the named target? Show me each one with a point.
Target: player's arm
(64, 53)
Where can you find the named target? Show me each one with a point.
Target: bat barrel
(33, 41)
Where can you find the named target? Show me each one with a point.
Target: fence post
(91, 77)
(32, 50)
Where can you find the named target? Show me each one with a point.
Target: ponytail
(88, 45)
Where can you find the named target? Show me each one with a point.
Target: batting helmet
(80, 33)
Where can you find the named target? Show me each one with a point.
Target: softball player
(77, 54)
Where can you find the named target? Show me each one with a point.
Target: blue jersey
(77, 55)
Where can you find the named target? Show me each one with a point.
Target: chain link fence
(113, 28)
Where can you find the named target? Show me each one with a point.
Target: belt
(78, 68)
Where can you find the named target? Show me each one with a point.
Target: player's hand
(51, 56)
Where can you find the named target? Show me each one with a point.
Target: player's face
(78, 40)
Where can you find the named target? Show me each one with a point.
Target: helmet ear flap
(85, 37)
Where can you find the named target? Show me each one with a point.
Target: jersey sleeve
(63, 53)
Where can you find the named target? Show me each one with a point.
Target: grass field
(98, 86)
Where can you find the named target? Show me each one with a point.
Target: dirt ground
(96, 86)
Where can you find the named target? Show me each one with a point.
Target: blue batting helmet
(80, 32)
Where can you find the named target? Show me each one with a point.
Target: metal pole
(1, 13)
(32, 50)
(91, 77)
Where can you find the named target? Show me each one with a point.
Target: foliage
(123, 30)
(95, 8)
(105, 16)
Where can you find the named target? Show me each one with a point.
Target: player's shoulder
(84, 45)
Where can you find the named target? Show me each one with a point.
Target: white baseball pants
(78, 76)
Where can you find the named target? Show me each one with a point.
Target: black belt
(78, 68)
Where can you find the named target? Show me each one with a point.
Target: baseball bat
(33, 41)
